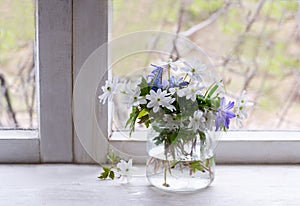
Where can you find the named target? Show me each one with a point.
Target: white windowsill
(240, 147)
(78, 185)
(18, 134)
(19, 146)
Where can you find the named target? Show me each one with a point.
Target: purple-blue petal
(156, 77)
(223, 114)
(230, 114)
(182, 84)
(227, 122)
(229, 105)
(222, 102)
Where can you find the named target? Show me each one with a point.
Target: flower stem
(165, 175)
(169, 72)
(185, 77)
(165, 167)
(207, 168)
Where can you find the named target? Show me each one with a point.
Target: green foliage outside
(260, 44)
(265, 58)
(17, 31)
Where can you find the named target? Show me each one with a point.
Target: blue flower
(223, 114)
(156, 78)
(173, 82)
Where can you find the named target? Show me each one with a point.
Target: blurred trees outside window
(17, 69)
(254, 44)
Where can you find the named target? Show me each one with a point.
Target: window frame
(92, 16)
(56, 139)
(19, 146)
(53, 140)
(241, 147)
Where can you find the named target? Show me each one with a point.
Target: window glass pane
(253, 43)
(17, 69)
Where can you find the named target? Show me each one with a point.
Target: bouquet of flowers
(182, 109)
(153, 94)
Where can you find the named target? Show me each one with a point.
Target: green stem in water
(165, 167)
(165, 175)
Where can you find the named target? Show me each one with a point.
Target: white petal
(171, 107)
(142, 101)
(155, 109)
(130, 163)
(152, 104)
(181, 92)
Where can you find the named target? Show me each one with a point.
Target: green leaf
(174, 163)
(195, 165)
(113, 158)
(132, 119)
(173, 137)
(145, 88)
(159, 139)
(145, 119)
(202, 136)
(103, 175)
(212, 91)
(209, 162)
(106, 169)
(215, 103)
(112, 175)
(143, 113)
(147, 123)
(107, 173)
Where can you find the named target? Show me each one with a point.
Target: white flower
(197, 121)
(135, 99)
(132, 96)
(190, 92)
(195, 70)
(241, 108)
(177, 65)
(174, 90)
(109, 90)
(125, 169)
(125, 88)
(160, 98)
(210, 120)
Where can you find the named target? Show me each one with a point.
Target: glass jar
(180, 160)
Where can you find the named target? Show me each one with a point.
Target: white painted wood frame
(54, 61)
(53, 142)
(19, 146)
(90, 31)
(67, 33)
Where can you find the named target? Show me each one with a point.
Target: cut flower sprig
(119, 168)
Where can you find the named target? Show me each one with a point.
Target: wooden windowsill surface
(65, 184)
